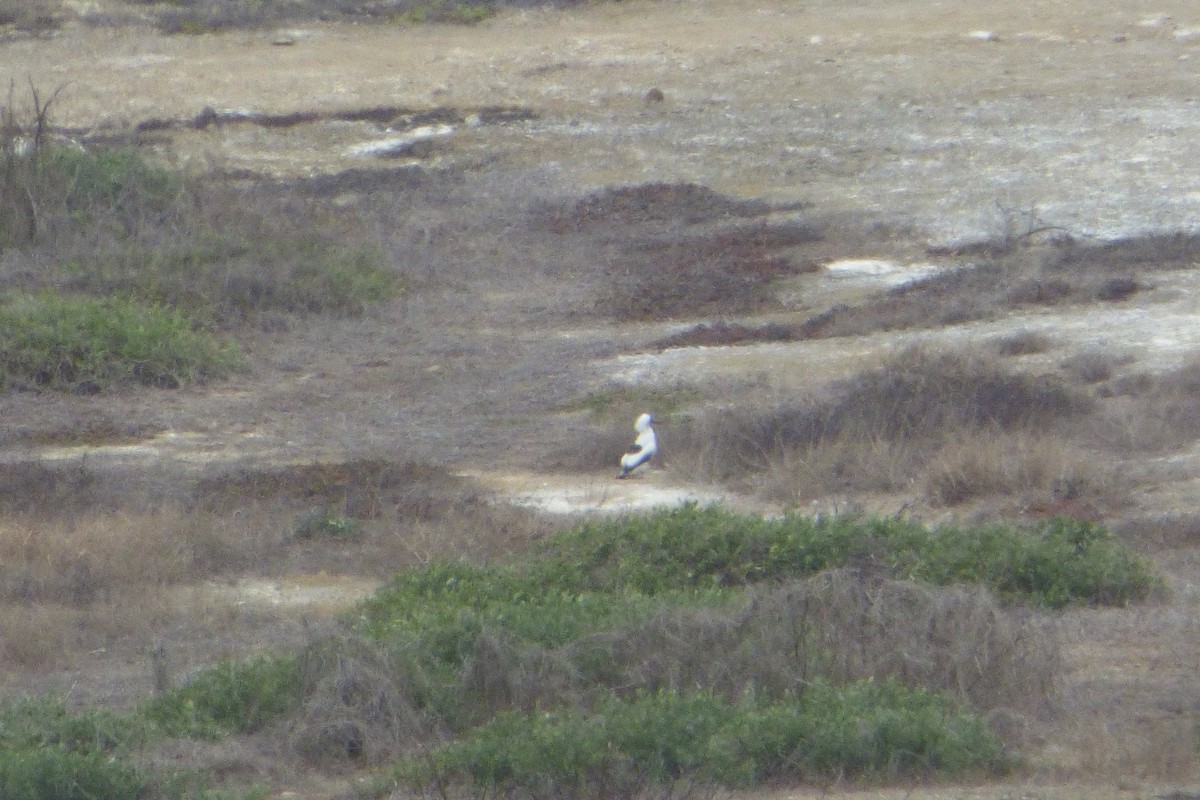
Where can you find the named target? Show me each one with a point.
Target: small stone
(655, 95)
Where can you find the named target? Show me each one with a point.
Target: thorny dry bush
(883, 424)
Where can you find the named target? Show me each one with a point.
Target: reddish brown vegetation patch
(651, 203)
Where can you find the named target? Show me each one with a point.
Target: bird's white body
(644, 447)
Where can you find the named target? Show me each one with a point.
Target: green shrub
(230, 697)
(82, 344)
(33, 723)
(1061, 562)
(56, 773)
(116, 181)
(327, 523)
(862, 730)
(48, 753)
(1064, 561)
(442, 611)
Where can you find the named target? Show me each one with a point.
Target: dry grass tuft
(841, 466)
(89, 427)
(1160, 532)
(106, 555)
(33, 16)
(30, 487)
(1164, 751)
(1141, 254)
(36, 636)
(1040, 292)
(957, 640)
(364, 489)
(842, 626)
(1095, 365)
(893, 417)
(1152, 413)
(676, 250)
(1023, 343)
(728, 271)
(1024, 464)
(358, 704)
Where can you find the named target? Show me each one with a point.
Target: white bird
(644, 447)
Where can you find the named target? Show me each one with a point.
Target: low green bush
(48, 754)
(232, 697)
(867, 729)
(33, 723)
(119, 182)
(56, 773)
(564, 613)
(81, 344)
(1059, 562)
(326, 523)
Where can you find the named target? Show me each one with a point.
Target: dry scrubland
(406, 325)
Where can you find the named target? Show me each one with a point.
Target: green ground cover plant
(231, 697)
(85, 345)
(620, 746)
(47, 753)
(1062, 561)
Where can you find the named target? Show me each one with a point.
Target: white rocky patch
(416, 143)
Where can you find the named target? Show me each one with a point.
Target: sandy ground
(951, 122)
(953, 117)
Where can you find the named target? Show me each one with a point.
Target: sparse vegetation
(1043, 468)
(32, 16)
(138, 253)
(629, 401)
(673, 277)
(325, 522)
(697, 625)
(195, 17)
(1023, 343)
